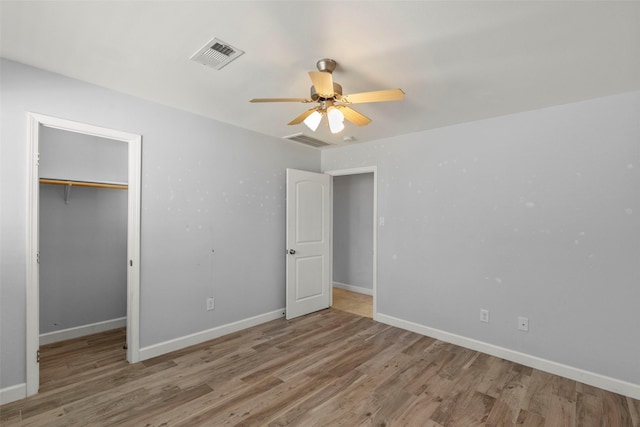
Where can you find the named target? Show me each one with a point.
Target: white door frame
(133, 237)
(357, 171)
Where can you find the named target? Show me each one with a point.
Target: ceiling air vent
(306, 140)
(216, 54)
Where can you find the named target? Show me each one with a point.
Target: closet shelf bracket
(67, 193)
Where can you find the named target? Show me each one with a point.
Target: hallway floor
(353, 302)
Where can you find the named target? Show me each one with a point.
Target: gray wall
(353, 230)
(534, 214)
(83, 256)
(79, 157)
(205, 185)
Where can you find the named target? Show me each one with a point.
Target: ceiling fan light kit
(336, 119)
(313, 121)
(332, 103)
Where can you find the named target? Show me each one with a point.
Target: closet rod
(83, 184)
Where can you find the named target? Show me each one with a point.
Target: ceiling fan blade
(302, 116)
(375, 96)
(353, 116)
(323, 82)
(281, 100)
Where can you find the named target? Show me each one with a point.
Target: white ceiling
(456, 61)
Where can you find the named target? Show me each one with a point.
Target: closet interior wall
(82, 233)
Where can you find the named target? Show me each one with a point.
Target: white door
(308, 242)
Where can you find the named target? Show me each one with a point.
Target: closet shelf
(84, 184)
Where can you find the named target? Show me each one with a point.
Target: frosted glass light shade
(313, 120)
(336, 119)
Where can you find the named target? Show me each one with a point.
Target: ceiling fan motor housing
(337, 90)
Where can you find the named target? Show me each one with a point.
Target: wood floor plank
(335, 388)
(634, 411)
(219, 411)
(342, 353)
(182, 412)
(588, 410)
(276, 401)
(539, 393)
(419, 346)
(495, 377)
(387, 400)
(615, 411)
(562, 412)
(353, 399)
(509, 403)
(163, 404)
(419, 411)
(463, 405)
(324, 369)
(434, 364)
(530, 419)
(464, 408)
(387, 405)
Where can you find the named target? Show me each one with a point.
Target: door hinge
(130, 263)
(38, 356)
(38, 257)
(38, 159)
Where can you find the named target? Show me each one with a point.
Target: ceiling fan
(332, 103)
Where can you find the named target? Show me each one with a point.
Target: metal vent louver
(306, 140)
(216, 54)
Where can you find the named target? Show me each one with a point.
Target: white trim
(81, 331)
(133, 236)
(133, 248)
(352, 171)
(13, 393)
(33, 276)
(352, 288)
(209, 334)
(356, 171)
(576, 374)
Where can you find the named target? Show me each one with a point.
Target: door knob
(292, 251)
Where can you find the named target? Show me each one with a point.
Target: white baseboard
(209, 334)
(591, 378)
(13, 393)
(352, 288)
(81, 331)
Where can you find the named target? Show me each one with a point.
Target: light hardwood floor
(353, 302)
(329, 368)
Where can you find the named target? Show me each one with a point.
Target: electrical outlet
(523, 324)
(210, 304)
(484, 315)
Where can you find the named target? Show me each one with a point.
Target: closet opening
(83, 241)
(82, 235)
(354, 240)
